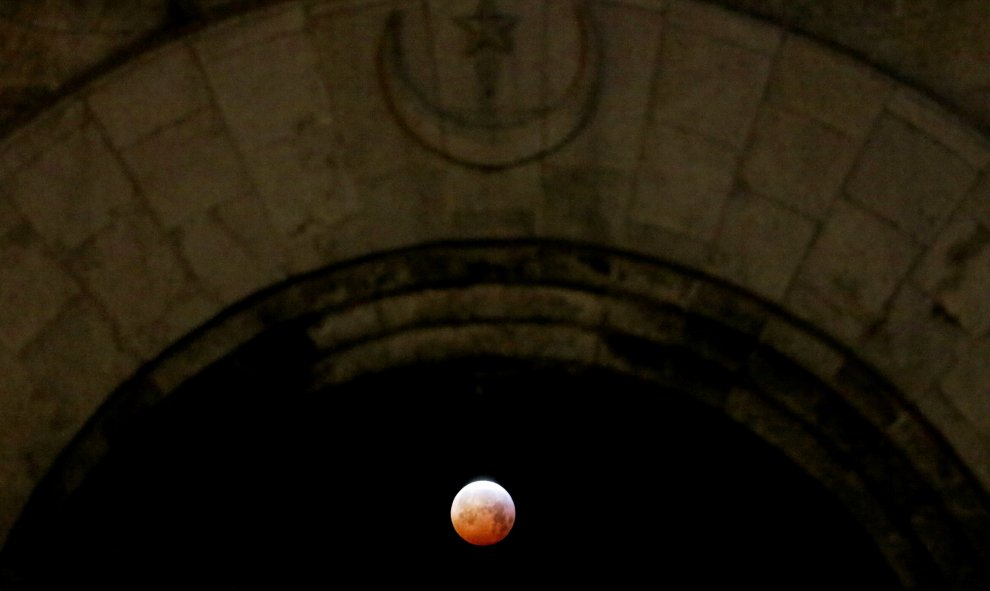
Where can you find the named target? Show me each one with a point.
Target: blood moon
(483, 513)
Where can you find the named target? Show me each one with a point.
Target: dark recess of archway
(630, 407)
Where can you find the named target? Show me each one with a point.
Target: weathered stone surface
(16, 392)
(48, 129)
(683, 182)
(613, 137)
(72, 190)
(797, 161)
(188, 168)
(977, 202)
(302, 183)
(583, 202)
(10, 218)
(753, 34)
(133, 272)
(956, 273)
(944, 127)
(850, 101)
(709, 86)
(82, 344)
(268, 90)
(910, 179)
(806, 350)
(156, 91)
(481, 205)
(220, 261)
(760, 244)
(348, 49)
(855, 264)
(248, 220)
(663, 244)
(33, 289)
(916, 342)
(251, 28)
(967, 385)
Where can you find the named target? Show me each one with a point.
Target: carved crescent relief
(480, 134)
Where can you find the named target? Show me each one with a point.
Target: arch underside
(562, 305)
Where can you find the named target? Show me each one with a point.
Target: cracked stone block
(956, 273)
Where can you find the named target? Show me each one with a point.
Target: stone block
(583, 202)
(614, 134)
(943, 127)
(269, 91)
(967, 385)
(10, 218)
(133, 271)
(220, 261)
(248, 220)
(16, 392)
(956, 273)
(977, 204)
(709, 86)
(798, 161)
(188, 311)
(857, 262)
(909, 178)
(154, 91)
(807, 350)
(25, 144)
(683, 182)
(347, 327)
(302, 183)
(91, 363)
(665, 245)
(72, 190)
(33, 289)
(187, 169)
(251, 28)
(810, 79)
(484, 206)
(760, 244)
(397, 210)
(727, 25)
(348, 47)
(970, 442)
(915, 343)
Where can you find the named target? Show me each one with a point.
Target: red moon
(483, 513)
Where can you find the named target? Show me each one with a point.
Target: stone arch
(262, 148)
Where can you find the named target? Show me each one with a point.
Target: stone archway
(264, 147)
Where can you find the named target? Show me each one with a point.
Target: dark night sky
(238, 486)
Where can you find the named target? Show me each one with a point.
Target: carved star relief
(488, 28)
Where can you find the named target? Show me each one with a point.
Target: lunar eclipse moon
(483, 513)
